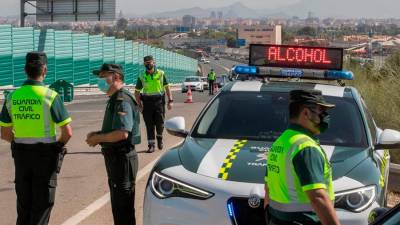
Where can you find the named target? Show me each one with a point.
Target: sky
(11, 7)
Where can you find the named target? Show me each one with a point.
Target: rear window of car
(192, 79)
(265, 115)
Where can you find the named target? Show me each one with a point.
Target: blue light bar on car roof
(295, 73)
(246, 70)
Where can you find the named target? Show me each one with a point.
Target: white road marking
(103, 200)
(223, 67)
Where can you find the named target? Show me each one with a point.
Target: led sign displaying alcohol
(302, 57)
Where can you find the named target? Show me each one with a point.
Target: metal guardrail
(394, 177)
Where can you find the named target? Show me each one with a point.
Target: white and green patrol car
(216, 176)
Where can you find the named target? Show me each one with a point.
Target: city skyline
(274, 8)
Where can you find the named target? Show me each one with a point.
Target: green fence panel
(81, 58)
(6, 55)
(128, 69)
(44, 42)
(136, 60)
(109, 49)
(120, 52)
(73, 56)
(141, 55)
(22, 42)
(95, 56)
(64, 56)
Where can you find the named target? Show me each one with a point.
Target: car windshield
(192, 79)
(264, 116)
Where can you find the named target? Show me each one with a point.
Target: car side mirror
(176, 126)
(389, 139)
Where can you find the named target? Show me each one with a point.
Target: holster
(61, 156)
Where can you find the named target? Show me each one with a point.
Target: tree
(287, 35)
(122, 24)
(98, 29)
(307, 31)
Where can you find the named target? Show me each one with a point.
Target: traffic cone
(189, 96)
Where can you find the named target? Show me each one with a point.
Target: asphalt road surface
(81, 196)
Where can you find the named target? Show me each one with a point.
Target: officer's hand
(92, 140)
(169, 105)
(90, 134)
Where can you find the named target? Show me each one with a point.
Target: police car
(216, 175)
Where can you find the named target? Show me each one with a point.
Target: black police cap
(309, 97)
(148, 58)
(106, 67)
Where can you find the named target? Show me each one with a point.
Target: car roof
(286, 86)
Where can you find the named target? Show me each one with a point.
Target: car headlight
(166, 187)
(355, 200)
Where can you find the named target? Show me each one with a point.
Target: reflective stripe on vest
(153, 84)
(29, 108)
(288, 196)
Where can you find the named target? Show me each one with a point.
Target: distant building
(188, 21)
(260, 34)
(213, 15)
(220, 15)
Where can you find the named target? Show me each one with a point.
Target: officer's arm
(168, 91)
(266, 196)
(113, 136)
(323, 206)
(6, 124)
(122, 124)
(66, 133)
(138, 89)
(309, 167)
(7, 134)
(137, 97)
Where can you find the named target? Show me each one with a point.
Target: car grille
(242, 214)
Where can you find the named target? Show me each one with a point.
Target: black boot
(151, 149)
(160, 143)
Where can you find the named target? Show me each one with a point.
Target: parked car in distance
(205, 83)
(194, 82)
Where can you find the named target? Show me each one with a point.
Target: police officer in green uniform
(212, 76)
(298, 187)
(151, 87)
(118, 136)
(28, 121)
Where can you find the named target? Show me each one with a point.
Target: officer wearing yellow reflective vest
(211, 81)
(28, 121)
(151, 87)
(298, 187)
